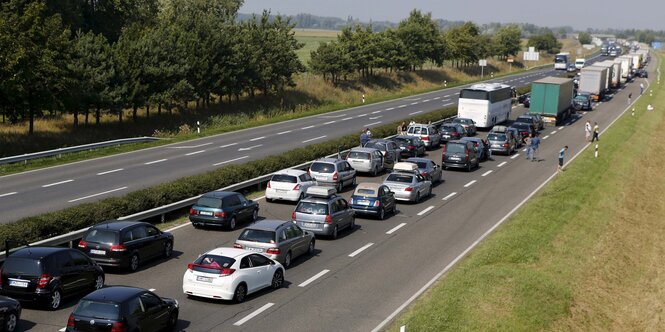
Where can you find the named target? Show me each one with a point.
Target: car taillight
(193, 211)
(297, 187)
(273, 251)
(444, 149)
(118, 247)
(466, 154)
(83, 244)
(524, 133)
(408, 189)
(456, 134)
(236, 245)
(226, 271)
(43, 280)
(377, 203)
(220, 214)
(328, 219)
(424, 174)
(118, 327)
(293, 216)
(426, 138)
(410, 147)
(269, 184)
(70, 321)
(335, 175)
(505, 145)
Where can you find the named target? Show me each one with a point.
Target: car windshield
(455, 148)
(322, 167)
(365, 192)
(524, 120)
(358, 155)
(402, 141)
(98, 309)
(210, 202)
(257, 235)
(101, 235)
(374, 145)
(22, 266)
(421, 164)
(312, 208)
(403, 178)
(284, 178)
(496, 137)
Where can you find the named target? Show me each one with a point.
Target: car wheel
(240, 293)
(382, 214)
(197, 226)
(468, 167)
(232, 223)
(168, 249)
(417, 197)
(55, 300)
(269, 200)
(255, 215)
(287, 260)
(334, 233)
(310, 248)
(11, 321)
(99, 282)
(173, 321)
(352, 225)
(277, 279)
(134, 262)
(375, 171)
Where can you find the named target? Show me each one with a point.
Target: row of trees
(416, 41)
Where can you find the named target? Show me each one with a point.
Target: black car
(125, 243)
(451, 131)
(410, 146)
(641, 73)
(460, 154)
(523, 97)
(528, 120)
(121, 308)
(10, 314)
(525, 129)
(47, 274)
(223, 208)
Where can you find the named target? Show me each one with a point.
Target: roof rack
(321, 191)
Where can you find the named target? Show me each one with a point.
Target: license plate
(281, 190)
(363, 202)
(205, 213)
(454, 158)
(402, 148)
(18, 283)
(204, 279)
(310, 225)
(254, 249)
(496, 145)
(97, 252)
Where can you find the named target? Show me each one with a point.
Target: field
(311, 38)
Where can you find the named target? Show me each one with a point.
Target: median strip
(95, 195)
(56, 183)
(313, 278)
(361, 249)
(254, 314)
(394, 229)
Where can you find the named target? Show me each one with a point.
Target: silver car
(427, 133)
(428, 169)
(388, 148)
(368, 160)
(278, 239)
(333, 172)
(408, 184)
(322, 212)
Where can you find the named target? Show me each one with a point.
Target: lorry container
(610, 72)
(615, 79)
(552, 98)
(626, 66)
(593, 80)
(637, 60)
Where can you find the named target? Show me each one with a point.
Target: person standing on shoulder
(363, 138)
(641, 88)
(535, 144)
(587, 131)
(562, 154)
(527, 142)
(630, 97)
(596, 132)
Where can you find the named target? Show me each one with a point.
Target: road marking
(469, 184)
(487, 173)
(412, 113)
(346, 119)
(394, 229)
(560, 128)
(429, 208)
(515, 156)
(111, 171)
(371, 124)
(390, 109)
(56, 183)
(361, 249)
(401, 106)
(257, 138)
(230, 161)
(360, 115)
(376, 117)
(308, 127)
(190, 146)
(524, 150)
(448, 104)
(9, 194)
(456, 93)
(63, 329)
(376, 112)
(232, 144)
(152, 289)
(154, 162)
(196, 152)
(583, 113)
(254, 314)
(313, 278)
(416, 103)
(250, 147)
(426, 100)
(314, 139)
(445, 100)
(553, 132)
(449, 196)
(546, 136)
(329, 122)
(99, 194)
(435, 98)
(284, 132)
(501, 164)
(446, 96)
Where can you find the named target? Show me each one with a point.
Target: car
(582, 101)
(525, 129)
(540, 123)
(514, 134)
(523, 97)
(323, 212)
(428, 169)
(279, 240)
(529, 120)
(579, 63)
(125, 243)
(483, 149)
(45, 275)
(407, 184)
(571, 68)
(641, 73)
(502, 142)
(373, 199)
(527, 101)
(231, 274)
(333, 172)
(410, 146)
(459, 154)
(450, 131)
(368, 160)
(123, 308)
(427, 133)
(288, 185)
(468, 124)
(10, 314)
(223, 208)
(388, 148)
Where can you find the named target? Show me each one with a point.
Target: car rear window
(322, 167)
(403, 178)
(98, 309)
(312, 208)
(456, 148)
(208, 263)
(22, 266)
(524, 119)
(521, 126)
(210, 202)
(358, 155)
(284, 178)
(366, 192)
(374, 145)
(496, 137)
(100, 235)
(448, 129)
(257, 235)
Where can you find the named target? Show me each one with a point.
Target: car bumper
(287, 195)
(501, 149)
(455, 165)
(111, 261)
(36, 296)
(405, 196)
(364, 209)
(362, 168)
(207, 291)
(316, 228)
(208, 221)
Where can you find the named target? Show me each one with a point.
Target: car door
(64, 267)
(420, 183)
(245, 206)
(249, 275)
(84, 271)
(156, 241)
(302, 241)
(139, 241)
(261, 265)
(435, 170)
(155, 313)
(378, 158)
(346, 211)
(349, 172)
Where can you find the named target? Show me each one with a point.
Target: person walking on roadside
(535, 144)
(596, 132)
(587, 131)
(641, 88)
(630, 96)
(527, 142)
(562, 154)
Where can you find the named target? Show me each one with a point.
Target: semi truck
(593, 80)
(637, 60)
(552, 98)
(615, 77)
(609, 65)
(626, 67)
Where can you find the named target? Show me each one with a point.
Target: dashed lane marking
(111, 171)
(313, 278)
(95, 195)
(394, 229)
(428, 209)
(57, 183)
(487, 173)
(449, 196)
(361, 249)
(254, 314)
(155, 161)
(230, 161)
(469, 184)
(501, 164)
(313, 139)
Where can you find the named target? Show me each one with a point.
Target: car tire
(287, 260)
(468, 167)
(168, 249)
(277, 279)
(173, 321)
(269, 200)
(352, 225)
(240, 293)
(429, 192)
(55, 300)
(99, 282)
(375, 171)
(232, 223)
(255, 215)
(334, 233)
(382, 214)
(134, 262)
(311, 247)
(417, 198)
(11, 322)
(197, 226)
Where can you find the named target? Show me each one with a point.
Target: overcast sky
(580, 14)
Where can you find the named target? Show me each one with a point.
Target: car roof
(114, 293)
(117, 225)
(317, 199)
(268, 224)
(407, 136)
(368, 185)
(471, 139)
(291, 171)
(456, 142)
(368, 150)
(219, 194)
(36, 252)
(328, 160)
(228, 252)
(415, 159)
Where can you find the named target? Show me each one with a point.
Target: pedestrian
(369, 133)
(630, 96)
(486, 146)
(649, 108)
(562, 154)
(587, 131)
(411, 123)
(596, 132)
(535, 144)
(641, 88)
(529, 153)
(401, 128)
(363, 138)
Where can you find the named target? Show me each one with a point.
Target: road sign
(510, 60)
(482, 63)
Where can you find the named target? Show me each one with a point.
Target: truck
(552, 98)
(626, 67)
(561, 61)
(604, 50)
(609, 65)
(637, 60)
(593, 80)
(615, 77)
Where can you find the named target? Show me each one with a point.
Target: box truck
(552, 98)
(610, 72)
(593, 80)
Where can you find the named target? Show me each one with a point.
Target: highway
(50, 189)
(355, 283)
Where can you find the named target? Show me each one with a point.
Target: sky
(580, 14)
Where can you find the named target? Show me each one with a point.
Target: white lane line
(314, 139)
(254, 314)
(394, 229)
(412, 113)
(560, 128)
(111, 171)
(250, 147)
(546, 136)
(57, 183)
(449, 196)
(346, 119)
(428, 209)
(284, 132)
(154, 162)
(553, 132)
(361, 115)
(99, 194)
(308, 127)
(446, 96)
(444, 100)
(469, 184)
(361, 249)
(524, 150)
(487, 173)
(448, 104)
(376, 112)
(313, 278)
(230, 161)
(63, 329)
(390, 108)
(416, 103)
(190, 146)
(329, 122)
(195, 152)
(456, 93)
(371, 124)
(376, 117)
(426, 100)
(232, 144)
(501, 164)
(9, 194)
(435, 98)
(515, 156)
(401, 106)
(257, 138)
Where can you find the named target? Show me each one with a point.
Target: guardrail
(78, 148)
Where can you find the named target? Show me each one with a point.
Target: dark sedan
(525, 129)
(374, 199)
(223, 208)
(410, 146)
(10, 314)
(451, 131)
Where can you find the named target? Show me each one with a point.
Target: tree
(421, 36)
(584, 38)
(331, 61)
(462, 42)
(545, 42)
(506, 41)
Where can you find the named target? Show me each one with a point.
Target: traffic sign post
(482, 64)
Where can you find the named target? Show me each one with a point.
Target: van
(579, 63)
(427, 133)
(460, 154)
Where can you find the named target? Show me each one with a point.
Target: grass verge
(584, 254)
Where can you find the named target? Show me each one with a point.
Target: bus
(561, 61)
(486, 104)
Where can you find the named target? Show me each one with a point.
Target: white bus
(561, 61)
(486, 104)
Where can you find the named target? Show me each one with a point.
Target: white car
(289, 185)
(231, 274)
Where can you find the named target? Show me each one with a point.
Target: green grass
(572, 258)
(311, 38)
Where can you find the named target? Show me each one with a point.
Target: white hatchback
(289, 185)
(231, 274)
